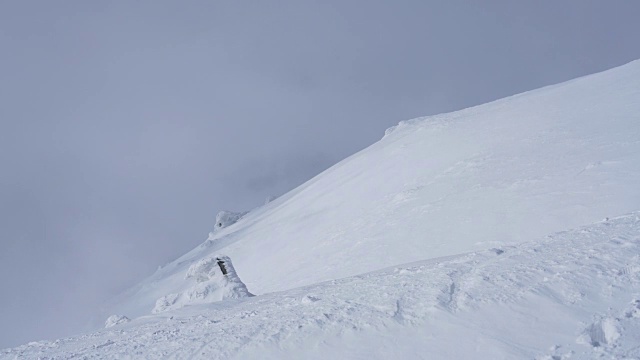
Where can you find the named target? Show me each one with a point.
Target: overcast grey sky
(126, 125)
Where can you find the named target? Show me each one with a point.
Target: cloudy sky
(126, 125)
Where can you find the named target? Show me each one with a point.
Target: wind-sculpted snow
(225, 218)
(575, 294)
(215, 280)
(114, 320)
(489, 176)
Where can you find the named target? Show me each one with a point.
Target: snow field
(458, 197)
(489, 176)
(575, 294)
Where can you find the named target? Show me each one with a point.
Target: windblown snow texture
(574, 294)
(223, 219)
(215, 280)
(466, 200)
(226, 218)
(114, 320)
(493, 175)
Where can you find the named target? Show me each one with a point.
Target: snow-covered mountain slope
(492, 175)
(574, 295)
(461, 197)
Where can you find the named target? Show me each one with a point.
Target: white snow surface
(210, 285)
(114, 320)
(225, 218)
(461, 198)
(573, 295)
(492, 175)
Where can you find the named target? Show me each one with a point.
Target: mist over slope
(493, 175)
(447, 238)
(496, 174)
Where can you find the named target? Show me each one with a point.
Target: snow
(114, 320)
(466, 201)
(225, 218)
(488, 176)
(211, 285)
(269, 199)
(574, 294)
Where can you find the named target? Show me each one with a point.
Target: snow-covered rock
(114, 320)
(215, 280)
(226, 218)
